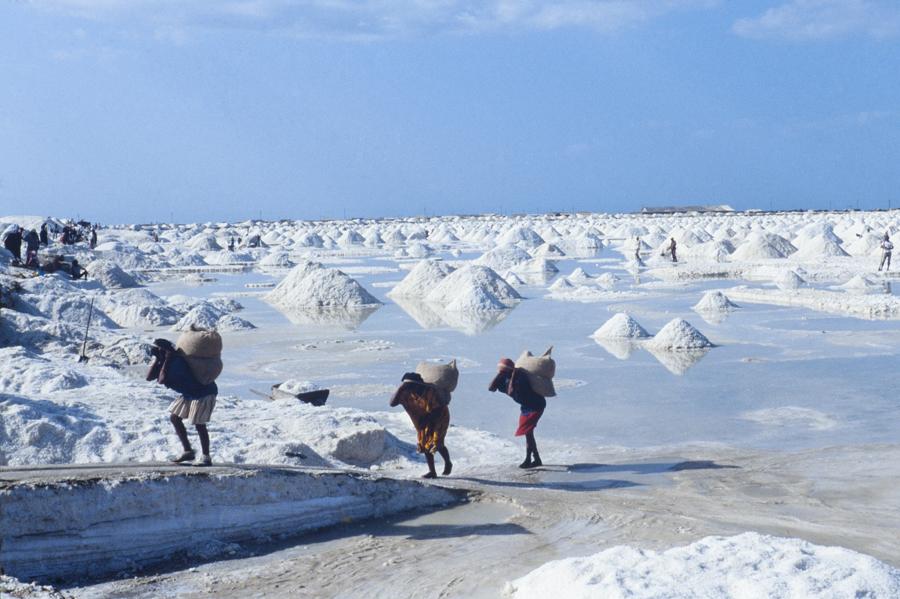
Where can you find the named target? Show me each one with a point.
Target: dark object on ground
(83, 358)
(316, 398)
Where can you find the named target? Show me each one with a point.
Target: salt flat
(794, 394)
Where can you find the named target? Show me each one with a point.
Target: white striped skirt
(195, 411)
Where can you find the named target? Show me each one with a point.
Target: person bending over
(195, 403)
(514, 382)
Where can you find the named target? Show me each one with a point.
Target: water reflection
(618, 348)
(714, 316)
(537, 278)
(678, 362)
(429, 316)
(345, 318)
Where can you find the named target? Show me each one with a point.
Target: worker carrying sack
(203, 352)
(540, 370)
(443, 376)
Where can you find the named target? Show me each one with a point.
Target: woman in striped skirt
(195, 403)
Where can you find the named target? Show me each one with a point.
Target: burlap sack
(540, 370)
(442, 376)
(200, 344)
(203, 352)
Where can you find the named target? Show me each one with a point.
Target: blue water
(845, 369)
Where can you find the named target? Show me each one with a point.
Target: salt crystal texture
(742, 566)
(679, 334)
(311, 285)
(421, 279)
(473, 288)
(714, 301)
(621, 326)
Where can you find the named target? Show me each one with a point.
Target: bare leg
(448, 465)
(178, 423)
(204, 437)
(429, 457)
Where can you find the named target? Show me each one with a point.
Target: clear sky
(151, 110)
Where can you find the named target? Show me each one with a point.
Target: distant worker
(886, 248)
(45, 235)
(77, 271)
(637, 251)
(32, 242)
(671, 249)
(231, 243)
(12, 240)
(93, 237)
(514, 382)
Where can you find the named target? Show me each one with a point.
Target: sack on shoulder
(442, 376)
(540, 370)
(202, 351)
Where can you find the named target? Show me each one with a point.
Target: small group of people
(671, 250)
(426, 404)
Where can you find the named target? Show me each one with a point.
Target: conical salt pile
(621, 326)
(679, 334)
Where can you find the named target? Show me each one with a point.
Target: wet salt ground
(780, 377)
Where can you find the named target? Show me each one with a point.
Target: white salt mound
(230, 322)
(503, 258)
(202, 316)
(679, 334)
(714, 301)
(473, 288)
(859, 283)
(742, 566)
(561, 284)
(278, 260)
(621, 326)
(421, 279)
(110, 275)
(789, 280)
(311, 285)
(580, 276)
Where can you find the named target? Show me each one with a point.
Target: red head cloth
(505, 364)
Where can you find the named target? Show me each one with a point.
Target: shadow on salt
(429, 316)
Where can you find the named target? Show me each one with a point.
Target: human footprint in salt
(426, 404)
(518, 383)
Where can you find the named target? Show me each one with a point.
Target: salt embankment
(874, 307)
(91, 522)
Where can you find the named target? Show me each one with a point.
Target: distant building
(685, 209)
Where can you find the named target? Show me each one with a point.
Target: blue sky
(147, 110)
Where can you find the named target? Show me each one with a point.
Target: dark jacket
(516, 385)
(32, 241)
(175, 374)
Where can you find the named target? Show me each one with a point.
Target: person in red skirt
(514, 382)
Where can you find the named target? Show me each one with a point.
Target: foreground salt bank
(95, 521)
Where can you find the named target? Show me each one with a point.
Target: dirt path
(836, 496)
